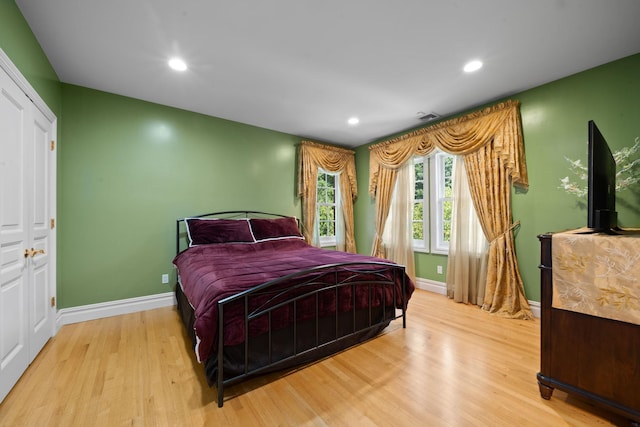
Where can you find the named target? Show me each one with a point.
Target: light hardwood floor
(453, 366)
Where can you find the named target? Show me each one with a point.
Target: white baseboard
(535, 308)
(84, 313)
(431, 286)
(441, 288)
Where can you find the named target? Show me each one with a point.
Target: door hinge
(53, 223)
(53, 145)
(53, 301)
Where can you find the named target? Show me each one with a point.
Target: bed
(256, 298)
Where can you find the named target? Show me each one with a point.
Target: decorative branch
(628, 171)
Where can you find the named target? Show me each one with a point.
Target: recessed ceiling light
(472, 66)
(177, 64)
(353, 121)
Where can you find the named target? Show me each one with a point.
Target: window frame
(421, 245)
(434, 197)
(437, 184)
(326, 241)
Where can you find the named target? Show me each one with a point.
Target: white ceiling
(305, 66)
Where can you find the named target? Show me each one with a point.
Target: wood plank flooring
(453, 366)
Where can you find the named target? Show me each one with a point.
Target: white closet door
(39, 296)
(27, 243)
(15, 114)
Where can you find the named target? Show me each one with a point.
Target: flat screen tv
(601, 203)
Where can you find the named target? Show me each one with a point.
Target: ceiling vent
(427, 117)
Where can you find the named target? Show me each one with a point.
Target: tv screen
(601, 204)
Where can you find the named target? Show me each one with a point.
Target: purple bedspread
(210, 273)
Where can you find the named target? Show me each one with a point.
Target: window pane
(331, 195)
(446, 214)
(448, 181)
(448, 165)
(418, 231)
(324, 229)
(419, 193)
(322, 180)
(322, 195)
(418, 211)
(447, 231)
(331, 213)
(448, 192)
(324, 212)
(331, 180)
(419, 168)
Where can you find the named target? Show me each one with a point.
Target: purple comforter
(210, 273)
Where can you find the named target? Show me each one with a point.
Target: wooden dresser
(592, 357)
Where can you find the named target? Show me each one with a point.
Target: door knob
(33, 252)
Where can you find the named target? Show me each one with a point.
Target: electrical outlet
(165, 279)
(439, 269)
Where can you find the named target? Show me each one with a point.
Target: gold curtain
(312, 156)
(491, 141)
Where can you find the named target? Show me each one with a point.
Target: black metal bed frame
(309, 283)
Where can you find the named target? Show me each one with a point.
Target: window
(433, 193)
(327, 205)
(420, 205)
(441, 201)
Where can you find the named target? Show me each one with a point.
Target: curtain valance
(328, 157)
(499, 124)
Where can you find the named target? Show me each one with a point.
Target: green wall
(19, 43)
(554, 122)
(131, 168)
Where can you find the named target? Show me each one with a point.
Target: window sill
(431, 252)
(440, 251)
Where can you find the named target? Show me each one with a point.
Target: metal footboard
(369, 277)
